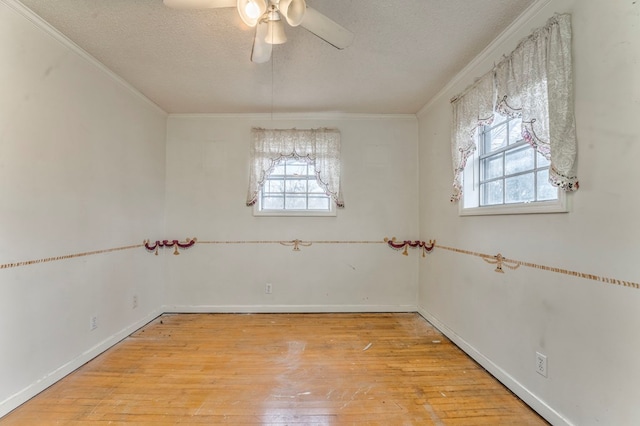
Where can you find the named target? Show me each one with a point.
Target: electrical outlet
(134, 302)
(541, 364)
(268, 288)
(93, 322)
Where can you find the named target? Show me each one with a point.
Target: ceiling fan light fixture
(275, 32)
(250, 11)
(293, 11)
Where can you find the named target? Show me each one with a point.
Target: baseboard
(551, 415)
(19, 398)
(262, 309)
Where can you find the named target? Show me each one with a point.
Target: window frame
(469, 205)
(257, 207)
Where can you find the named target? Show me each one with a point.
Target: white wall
(207, 180)
(588, 329)
(81, 170)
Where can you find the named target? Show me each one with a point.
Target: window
(295, 172)
(506, 175)
(503, 166)
(292, 188)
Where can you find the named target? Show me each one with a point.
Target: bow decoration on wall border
(500, 261)
(189, 242)
(426, 247)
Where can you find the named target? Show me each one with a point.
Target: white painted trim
(43, 25)
(488, 52)
(262, 309)
(299, 116)
(35, 388)
(516, 387)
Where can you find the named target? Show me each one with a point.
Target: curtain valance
(533, 82)
(318, 146)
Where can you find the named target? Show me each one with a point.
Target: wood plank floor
(280, 369)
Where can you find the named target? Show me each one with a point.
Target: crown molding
(44, 26)
(299, 116)
(490, 51)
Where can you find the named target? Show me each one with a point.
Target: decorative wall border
(189, 242)
(501, 261)
(296, 244)
(426, 247)
(67, 256)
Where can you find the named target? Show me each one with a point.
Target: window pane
(278, 170)
(515, 131)
(492, 167)
(542, 162)
(519, 160)
(495, 138)
(297, 170)
(274, 185)
(314, 187)
(491, 193)
(519, 189)
(296, 185)
(316, 203)
(273, 203)
(546, 191)
(294, 202)
(289, 186)
(498, 119)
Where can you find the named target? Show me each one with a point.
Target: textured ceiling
(197, 61)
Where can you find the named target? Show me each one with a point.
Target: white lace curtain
(471, 109)
(320, 147)
(534, 82)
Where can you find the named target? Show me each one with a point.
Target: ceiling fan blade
(325, 28)
(293, 11)
(261, 51)
(199, 4)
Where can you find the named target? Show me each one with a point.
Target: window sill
(555, 206)
(292, 213)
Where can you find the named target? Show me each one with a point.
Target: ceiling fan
(266, 16)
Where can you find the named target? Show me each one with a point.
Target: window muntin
(292, 189)
(506, 175)
(510, 169)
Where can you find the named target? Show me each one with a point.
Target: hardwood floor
(282, 369)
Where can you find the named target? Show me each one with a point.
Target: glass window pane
(294, 202)
(278, 170)
(495, 138)
(498, 119)
(290, 184)
(274, 185)
(314, 187)
(491, 193)
(273, 203)
(316, 203)
(492, 167)
(297, 169)
(542, 162)
(546, 191)
(519, 160)
(519, 189)
(515, 131)
(296, 185)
